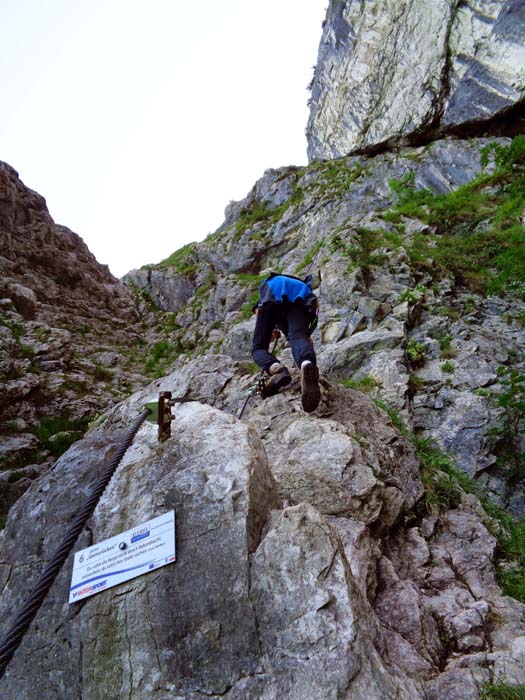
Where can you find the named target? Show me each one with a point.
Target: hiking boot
(279, 378)
(310, 391)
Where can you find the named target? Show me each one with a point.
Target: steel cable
(255, 388)
(25, 616)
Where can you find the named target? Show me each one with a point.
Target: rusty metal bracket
(160, 413)
(165, 416)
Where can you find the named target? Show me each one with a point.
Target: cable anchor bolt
(161, 414)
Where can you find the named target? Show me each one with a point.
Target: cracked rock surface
(279, 591)
(380, 79)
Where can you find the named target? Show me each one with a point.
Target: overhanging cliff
(391, 73)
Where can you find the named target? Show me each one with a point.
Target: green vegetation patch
(412, 296)
(478, 233)
(161, 354)
(258, 211)
(310, 255)
(360, 246)
(512, 420)
(415, 351)
(17, 329)
(366, 384)
(184, 260)
(444, 484)
(447, 351)
(502, 691)
(336, 176)
(247, 309)
(58, 433)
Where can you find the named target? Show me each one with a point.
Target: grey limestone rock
(169, 289)
(319, 633)
(264, 602)
(380, 80)
(221, 498)
(237, 343)
(24, 300)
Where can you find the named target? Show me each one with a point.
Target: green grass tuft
(502, 691)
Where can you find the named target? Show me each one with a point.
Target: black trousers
(292, 319)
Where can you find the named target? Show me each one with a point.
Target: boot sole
(310, 391)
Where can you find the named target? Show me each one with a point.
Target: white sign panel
(123, 557)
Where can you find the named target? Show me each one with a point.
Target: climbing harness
(260, 385)
(160, 413)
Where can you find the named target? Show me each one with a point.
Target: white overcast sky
(139, 121)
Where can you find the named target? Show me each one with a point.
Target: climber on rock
(288, 304)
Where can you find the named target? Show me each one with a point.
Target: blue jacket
(278, 288)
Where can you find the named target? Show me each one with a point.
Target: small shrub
(445, 346)
(415, 383)
(415, 351)
(365, 254)
(412, 295)
(448, 366)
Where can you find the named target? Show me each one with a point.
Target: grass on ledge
(444, 484)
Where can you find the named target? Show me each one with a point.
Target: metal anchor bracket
(161, 414)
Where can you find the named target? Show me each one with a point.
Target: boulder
(24, 300)
(190, 626)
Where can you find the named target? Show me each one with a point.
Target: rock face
(338, 218)
(66, 326)
(317, 557)
(327, 595)
(381, 79)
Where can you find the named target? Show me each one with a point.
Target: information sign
(123, 557)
